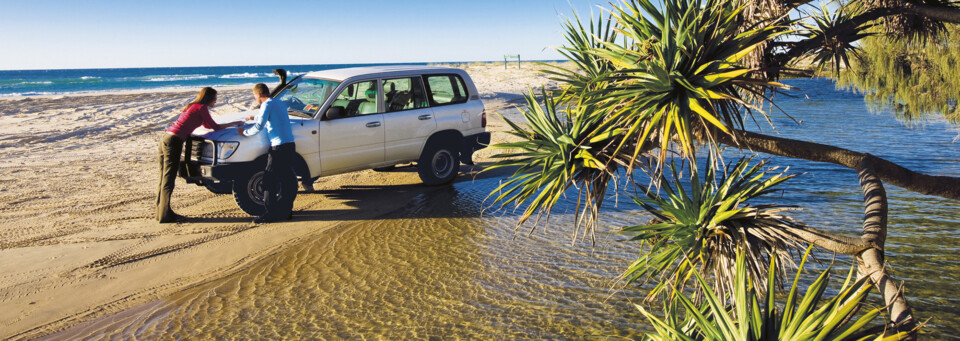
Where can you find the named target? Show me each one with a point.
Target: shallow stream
(439, 268)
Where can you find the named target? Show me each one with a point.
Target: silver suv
(351, 119)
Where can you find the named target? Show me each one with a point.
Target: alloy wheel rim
(442, 164)
(255, 188)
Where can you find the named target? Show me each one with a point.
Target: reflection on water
(438, 269)
(435, 269)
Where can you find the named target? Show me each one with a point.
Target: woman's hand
(240, 130)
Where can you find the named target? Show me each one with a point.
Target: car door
(354, 140)
(408, 118)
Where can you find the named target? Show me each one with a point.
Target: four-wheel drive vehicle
(350, 119)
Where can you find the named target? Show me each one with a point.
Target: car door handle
(373, 124)
(424, 117)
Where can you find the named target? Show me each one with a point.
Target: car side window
(445, 89)
(359, 98)
(403, 94)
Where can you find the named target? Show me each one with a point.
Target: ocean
(53, 82)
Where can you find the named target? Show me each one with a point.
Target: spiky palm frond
(673, 80)
(587, 67)
(701, 223)
(562, 147)
(678, 80)
(837, 46)
(810, 317)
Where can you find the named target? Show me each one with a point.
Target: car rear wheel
(439, 164)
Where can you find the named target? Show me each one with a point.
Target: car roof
(346, 73)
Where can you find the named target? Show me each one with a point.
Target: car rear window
(445, 89)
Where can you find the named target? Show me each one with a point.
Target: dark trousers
(170, 148)
(279, 182)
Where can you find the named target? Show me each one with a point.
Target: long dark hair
(206, 97)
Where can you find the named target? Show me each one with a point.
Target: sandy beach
(78, 179)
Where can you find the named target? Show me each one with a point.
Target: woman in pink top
(194, 115)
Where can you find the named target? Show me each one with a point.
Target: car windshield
(304, 96)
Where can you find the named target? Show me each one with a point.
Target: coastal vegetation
(916, 81)
(808, 317)
(657, 84)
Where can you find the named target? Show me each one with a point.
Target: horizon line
(261, 65)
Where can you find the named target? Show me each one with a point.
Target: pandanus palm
(813, 316)
(589, 69)
(836, 47)
(659, 79)
(677, 79)
(558, 147)
(673, 83)
(701, 222)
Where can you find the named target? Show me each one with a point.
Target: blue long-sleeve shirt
(274, 118)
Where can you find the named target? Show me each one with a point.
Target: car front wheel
(439, 164)
(248, 193)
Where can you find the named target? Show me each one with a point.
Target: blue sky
(47, 34)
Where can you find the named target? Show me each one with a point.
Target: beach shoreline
(121, 92)
(56, 83)
(78, 184)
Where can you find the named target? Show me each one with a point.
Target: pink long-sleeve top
(195, 116)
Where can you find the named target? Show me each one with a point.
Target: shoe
(307, 187)
(173, 218)
(262, 220)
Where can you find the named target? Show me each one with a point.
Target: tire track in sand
(118, 258)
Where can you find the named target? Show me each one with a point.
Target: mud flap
(471, 144)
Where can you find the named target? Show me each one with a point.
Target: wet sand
(78, 177)
(434, 269)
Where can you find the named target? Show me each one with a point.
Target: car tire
(439, 163)
(248, 193)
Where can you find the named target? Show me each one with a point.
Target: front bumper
(194, 170)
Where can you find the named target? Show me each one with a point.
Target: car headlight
(227, 149)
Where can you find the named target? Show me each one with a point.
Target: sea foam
(245, 75)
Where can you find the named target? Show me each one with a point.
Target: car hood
(230, 134)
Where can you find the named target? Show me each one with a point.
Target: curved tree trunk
(938, 13)
(870, 261)
(839, 244)
(872, 171)
(889, 172)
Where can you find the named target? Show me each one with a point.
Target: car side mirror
(333, 112)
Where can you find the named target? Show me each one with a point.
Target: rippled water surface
(438, 269)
